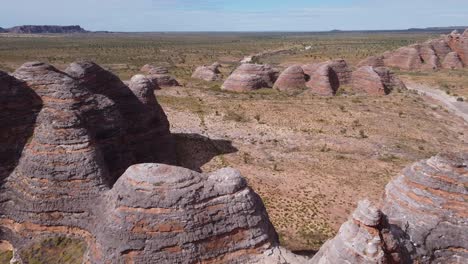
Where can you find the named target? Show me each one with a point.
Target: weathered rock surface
(208, 73)
(66, 136)
(248, 77)
(363, 239)
(291, 79)
(427, 208)
(163, 214)
(406, 58)
(159, 76)
(452, 61)
(375, 81)
(374, 61)
(323, 80)
(43, 29)
(459, 44)
(444, 52)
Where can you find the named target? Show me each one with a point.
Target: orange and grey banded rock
(374, 61)
(427, 208)
(363, 239)
(249, 77)
(166, 214)
(375, 81)
(291, 79)
(75, 131)
(159, 76)
(208, 73)
(323, 79)
(452, 61)
(459, 43)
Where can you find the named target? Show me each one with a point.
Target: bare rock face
(375, 81)
(440, 47)
(459, 44)
(65, 136)
(208, 73)
(163, 214)
(452, 61)
(363, 239)
(427, 209)
(159, 76)
(374, 61)
(291, 79)
(342, 70)
(406, 58)
(323, 81)
(248, 77)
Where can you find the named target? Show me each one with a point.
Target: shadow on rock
(194, 150)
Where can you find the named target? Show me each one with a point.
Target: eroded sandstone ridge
(67, 137)
(447, 52)
(291, 79)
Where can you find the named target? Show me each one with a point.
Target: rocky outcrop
(374, 61)
(208, 73)
(452, 61)
(163, 214)
(159, 76)
(66, 139)
(434, 54)
(43, 29)
(406, 58)
(365, 239)
(427, 208)
(249, 77)
(291, 79)
(459, 44)
(323, 81)
(375, 81)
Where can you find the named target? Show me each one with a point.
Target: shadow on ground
(194, 150)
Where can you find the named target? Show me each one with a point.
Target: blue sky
(236, 15)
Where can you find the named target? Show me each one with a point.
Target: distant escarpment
(45, 29)
(447, 52)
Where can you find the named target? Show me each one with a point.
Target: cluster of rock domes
(318, 78)
(447, 52)
(88, 156)
(70, 141)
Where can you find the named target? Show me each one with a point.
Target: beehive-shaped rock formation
(428, 210)
(452, 61)
(375, 81)
(249, 77)
(363, 239)
(459, 44)
(159, 76)
(208, 73)
(374, 61)
(323, 81)
(66, 139)
(291, 79)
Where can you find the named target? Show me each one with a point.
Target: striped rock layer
(159, 76)
(428, 210)
(66, 139)
(208, 73)
(326, 78)
(291, 79)
(375, 81)
(249, 77)
(446, 52)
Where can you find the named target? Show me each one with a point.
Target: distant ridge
(44, 29)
